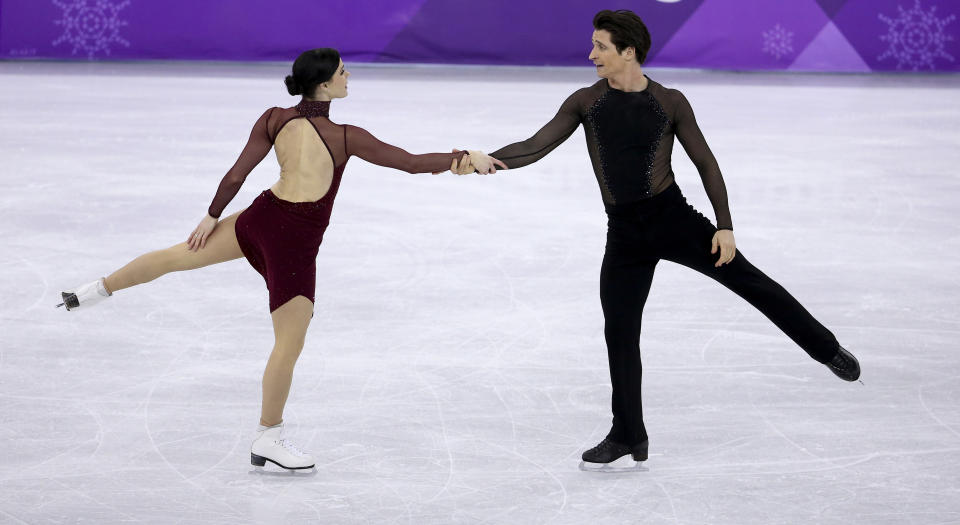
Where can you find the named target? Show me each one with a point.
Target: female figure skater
(281, 231)
(630, 123)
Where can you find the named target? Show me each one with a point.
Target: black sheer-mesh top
(630, 141)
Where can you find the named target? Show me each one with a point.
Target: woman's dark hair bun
(310, 69)
(292, 86)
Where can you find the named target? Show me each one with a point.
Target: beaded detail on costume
(594, 121)
(305, 207)
(652, 147)
(313, 108)
(629, 128)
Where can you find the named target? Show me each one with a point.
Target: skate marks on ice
(952, 381)
(418, 415)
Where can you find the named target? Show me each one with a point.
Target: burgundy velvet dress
(281, 238)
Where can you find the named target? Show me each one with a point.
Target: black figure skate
(844, 365)
(605, 457)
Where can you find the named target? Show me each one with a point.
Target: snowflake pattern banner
(801, 35)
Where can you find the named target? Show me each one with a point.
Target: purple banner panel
(804, 35)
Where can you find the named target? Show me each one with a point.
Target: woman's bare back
(306, 165)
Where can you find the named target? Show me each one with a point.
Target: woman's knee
(286, 353)
(290, 341)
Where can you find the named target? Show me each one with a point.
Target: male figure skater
(630, 123)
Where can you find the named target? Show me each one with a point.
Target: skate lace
(841, 363)
(604, 445)
(288, 445)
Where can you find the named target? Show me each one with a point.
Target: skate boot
(844, 365)
(269, 446)
(86, 295)
(604, 457)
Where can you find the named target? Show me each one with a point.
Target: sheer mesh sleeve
(563, 124)
(361, 143)
(258, 145)
(699, 152)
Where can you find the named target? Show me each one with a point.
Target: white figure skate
(270, 446)
(85, 295)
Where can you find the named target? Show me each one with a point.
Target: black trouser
(666, 227)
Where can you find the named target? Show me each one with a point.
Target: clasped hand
(475, 161)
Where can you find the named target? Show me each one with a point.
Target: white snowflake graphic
(917, 37)
(91, 26)
(778, 42)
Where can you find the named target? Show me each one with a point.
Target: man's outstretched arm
(563, 124)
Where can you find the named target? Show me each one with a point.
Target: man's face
(605, 56)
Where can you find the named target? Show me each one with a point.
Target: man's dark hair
(626, 30)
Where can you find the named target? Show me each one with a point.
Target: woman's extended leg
(221, 246)
(290, 323)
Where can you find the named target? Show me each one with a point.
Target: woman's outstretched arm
(363, 144)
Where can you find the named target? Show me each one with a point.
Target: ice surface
(455, 368)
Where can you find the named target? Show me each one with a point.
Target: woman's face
(336, 87)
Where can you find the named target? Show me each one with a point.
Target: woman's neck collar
(314, 108)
